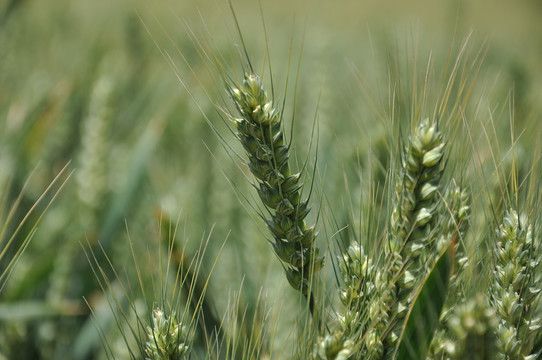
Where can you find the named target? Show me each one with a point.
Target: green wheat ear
(457, 204)
(358, 273)
(515, 292)
(166, 338)
(260, 131)
(377, 298)
(413, 240)
(472, 326)
(412, 243)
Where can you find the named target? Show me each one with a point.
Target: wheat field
(285, 180)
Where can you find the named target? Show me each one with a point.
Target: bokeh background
(120, 91)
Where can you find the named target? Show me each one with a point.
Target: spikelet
(260, 131)
(334, 347)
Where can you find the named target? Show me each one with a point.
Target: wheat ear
(456, 311)
(260, 130)
(381, 295)
(166, 338)
(515, 292)
(470, 331)
(411, 241)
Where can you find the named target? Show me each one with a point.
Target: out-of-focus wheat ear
(357, 274)
(260, 131)
(91, 181)
(515, 292)
(457, 207)
(93, 157)
(471, 331)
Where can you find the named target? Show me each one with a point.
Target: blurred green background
(96, 83)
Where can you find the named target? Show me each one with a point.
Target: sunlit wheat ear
(376, 298)
(166, 337)
(412, 242)
(260, 131)
(457, 204)
(454, 225)
(516, 291)
(416, 197)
